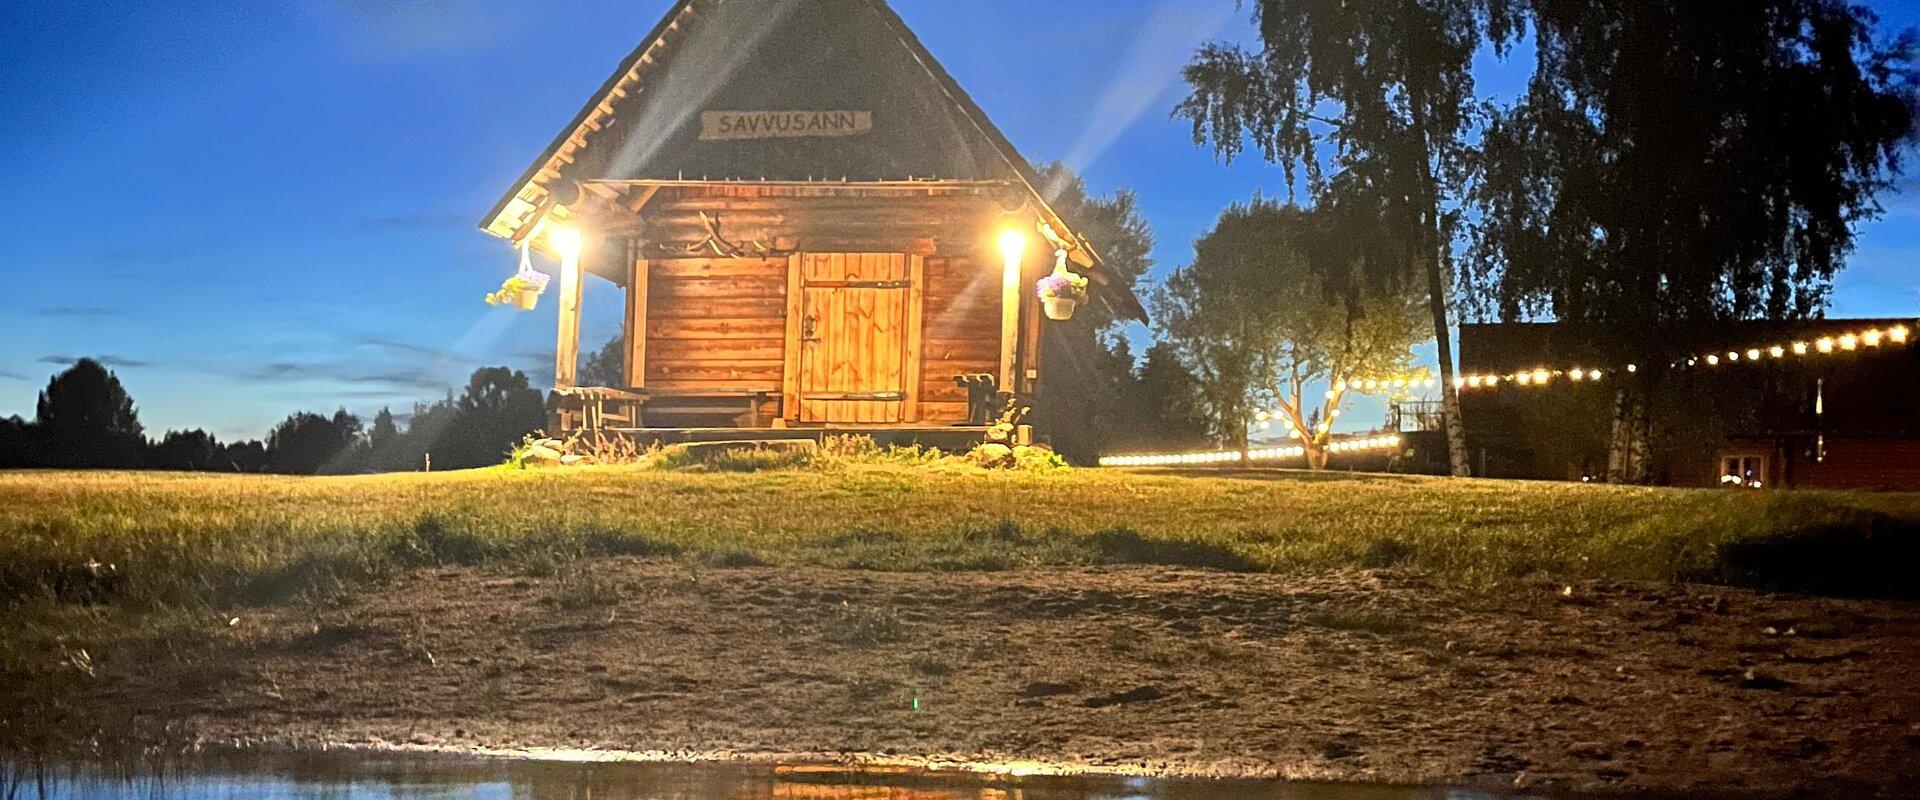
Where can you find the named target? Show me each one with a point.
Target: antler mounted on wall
(721, 246)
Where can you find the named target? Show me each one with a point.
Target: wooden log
(916, 303)
(730, 350)
(795, 310)
(717, 328)
(566, 353)
(720, 307)
(702, 288)
(636, 322)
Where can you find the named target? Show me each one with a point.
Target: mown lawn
(152, 539)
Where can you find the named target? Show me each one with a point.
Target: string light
(1365, 444)
(1825, 345)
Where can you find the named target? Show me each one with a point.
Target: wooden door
(857, 337)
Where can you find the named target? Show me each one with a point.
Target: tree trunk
(1627, 443)
(1316, 458)
(1439, 287)
(1449, 394)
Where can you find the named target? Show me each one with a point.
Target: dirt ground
(1374, 676)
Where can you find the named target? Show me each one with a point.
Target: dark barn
(1823, 404)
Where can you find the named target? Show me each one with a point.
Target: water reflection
(355, 776)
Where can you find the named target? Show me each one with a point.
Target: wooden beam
(916, 303)
(796, 307)
(636, 322)
(1011, 276)
(566, 352)
(1030, 327)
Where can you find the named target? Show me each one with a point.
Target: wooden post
(796, 307)
(566, 354)
(916, 305)
(1030, 328)
(636, 322)
(1010, 280)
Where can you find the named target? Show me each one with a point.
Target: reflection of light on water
(409, 771)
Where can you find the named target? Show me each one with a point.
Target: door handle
(807, 328)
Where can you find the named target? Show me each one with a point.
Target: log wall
(719, 323)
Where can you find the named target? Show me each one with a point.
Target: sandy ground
(1375, 676)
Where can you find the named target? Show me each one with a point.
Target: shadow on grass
(1859, 554)
(1007, 546)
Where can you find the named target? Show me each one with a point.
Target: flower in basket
(520, 285)
(1062, 285)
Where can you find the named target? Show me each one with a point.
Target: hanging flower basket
(1062, 293)
(523, 288)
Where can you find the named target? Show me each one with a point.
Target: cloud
(108, 361)
(10, 375)
(393, 380)
(76, 311)
(409, 348)
(424, 221)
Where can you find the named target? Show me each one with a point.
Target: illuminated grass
(187, 539)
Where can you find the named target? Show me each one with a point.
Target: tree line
(85, 419)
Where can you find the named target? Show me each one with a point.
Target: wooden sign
(727, 125)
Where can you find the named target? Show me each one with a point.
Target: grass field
(159, 540)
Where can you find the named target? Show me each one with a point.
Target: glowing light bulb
(1824, 345)
(1713, 361)
(1799, 348)
(565, 240)
(1871, 338)
(1013, 244)
(1849, 342)
(1577, 374)
(1776, 351)
(1753, 354)
(1541, 376)
(1898, 335)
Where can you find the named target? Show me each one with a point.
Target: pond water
(358, 776)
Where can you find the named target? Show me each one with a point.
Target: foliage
(734, 459)
(194, 450)
(1371, 104)
(85, 418)
(310, 444)
(1676, 162)
(1063, 286)
(1252, 317)
(607, 365)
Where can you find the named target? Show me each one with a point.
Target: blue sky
(254, 208)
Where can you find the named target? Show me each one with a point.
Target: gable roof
(644, 124)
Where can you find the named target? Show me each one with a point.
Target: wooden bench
(595, 408)
(713, 401)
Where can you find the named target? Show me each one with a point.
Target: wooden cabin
(815, 227)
